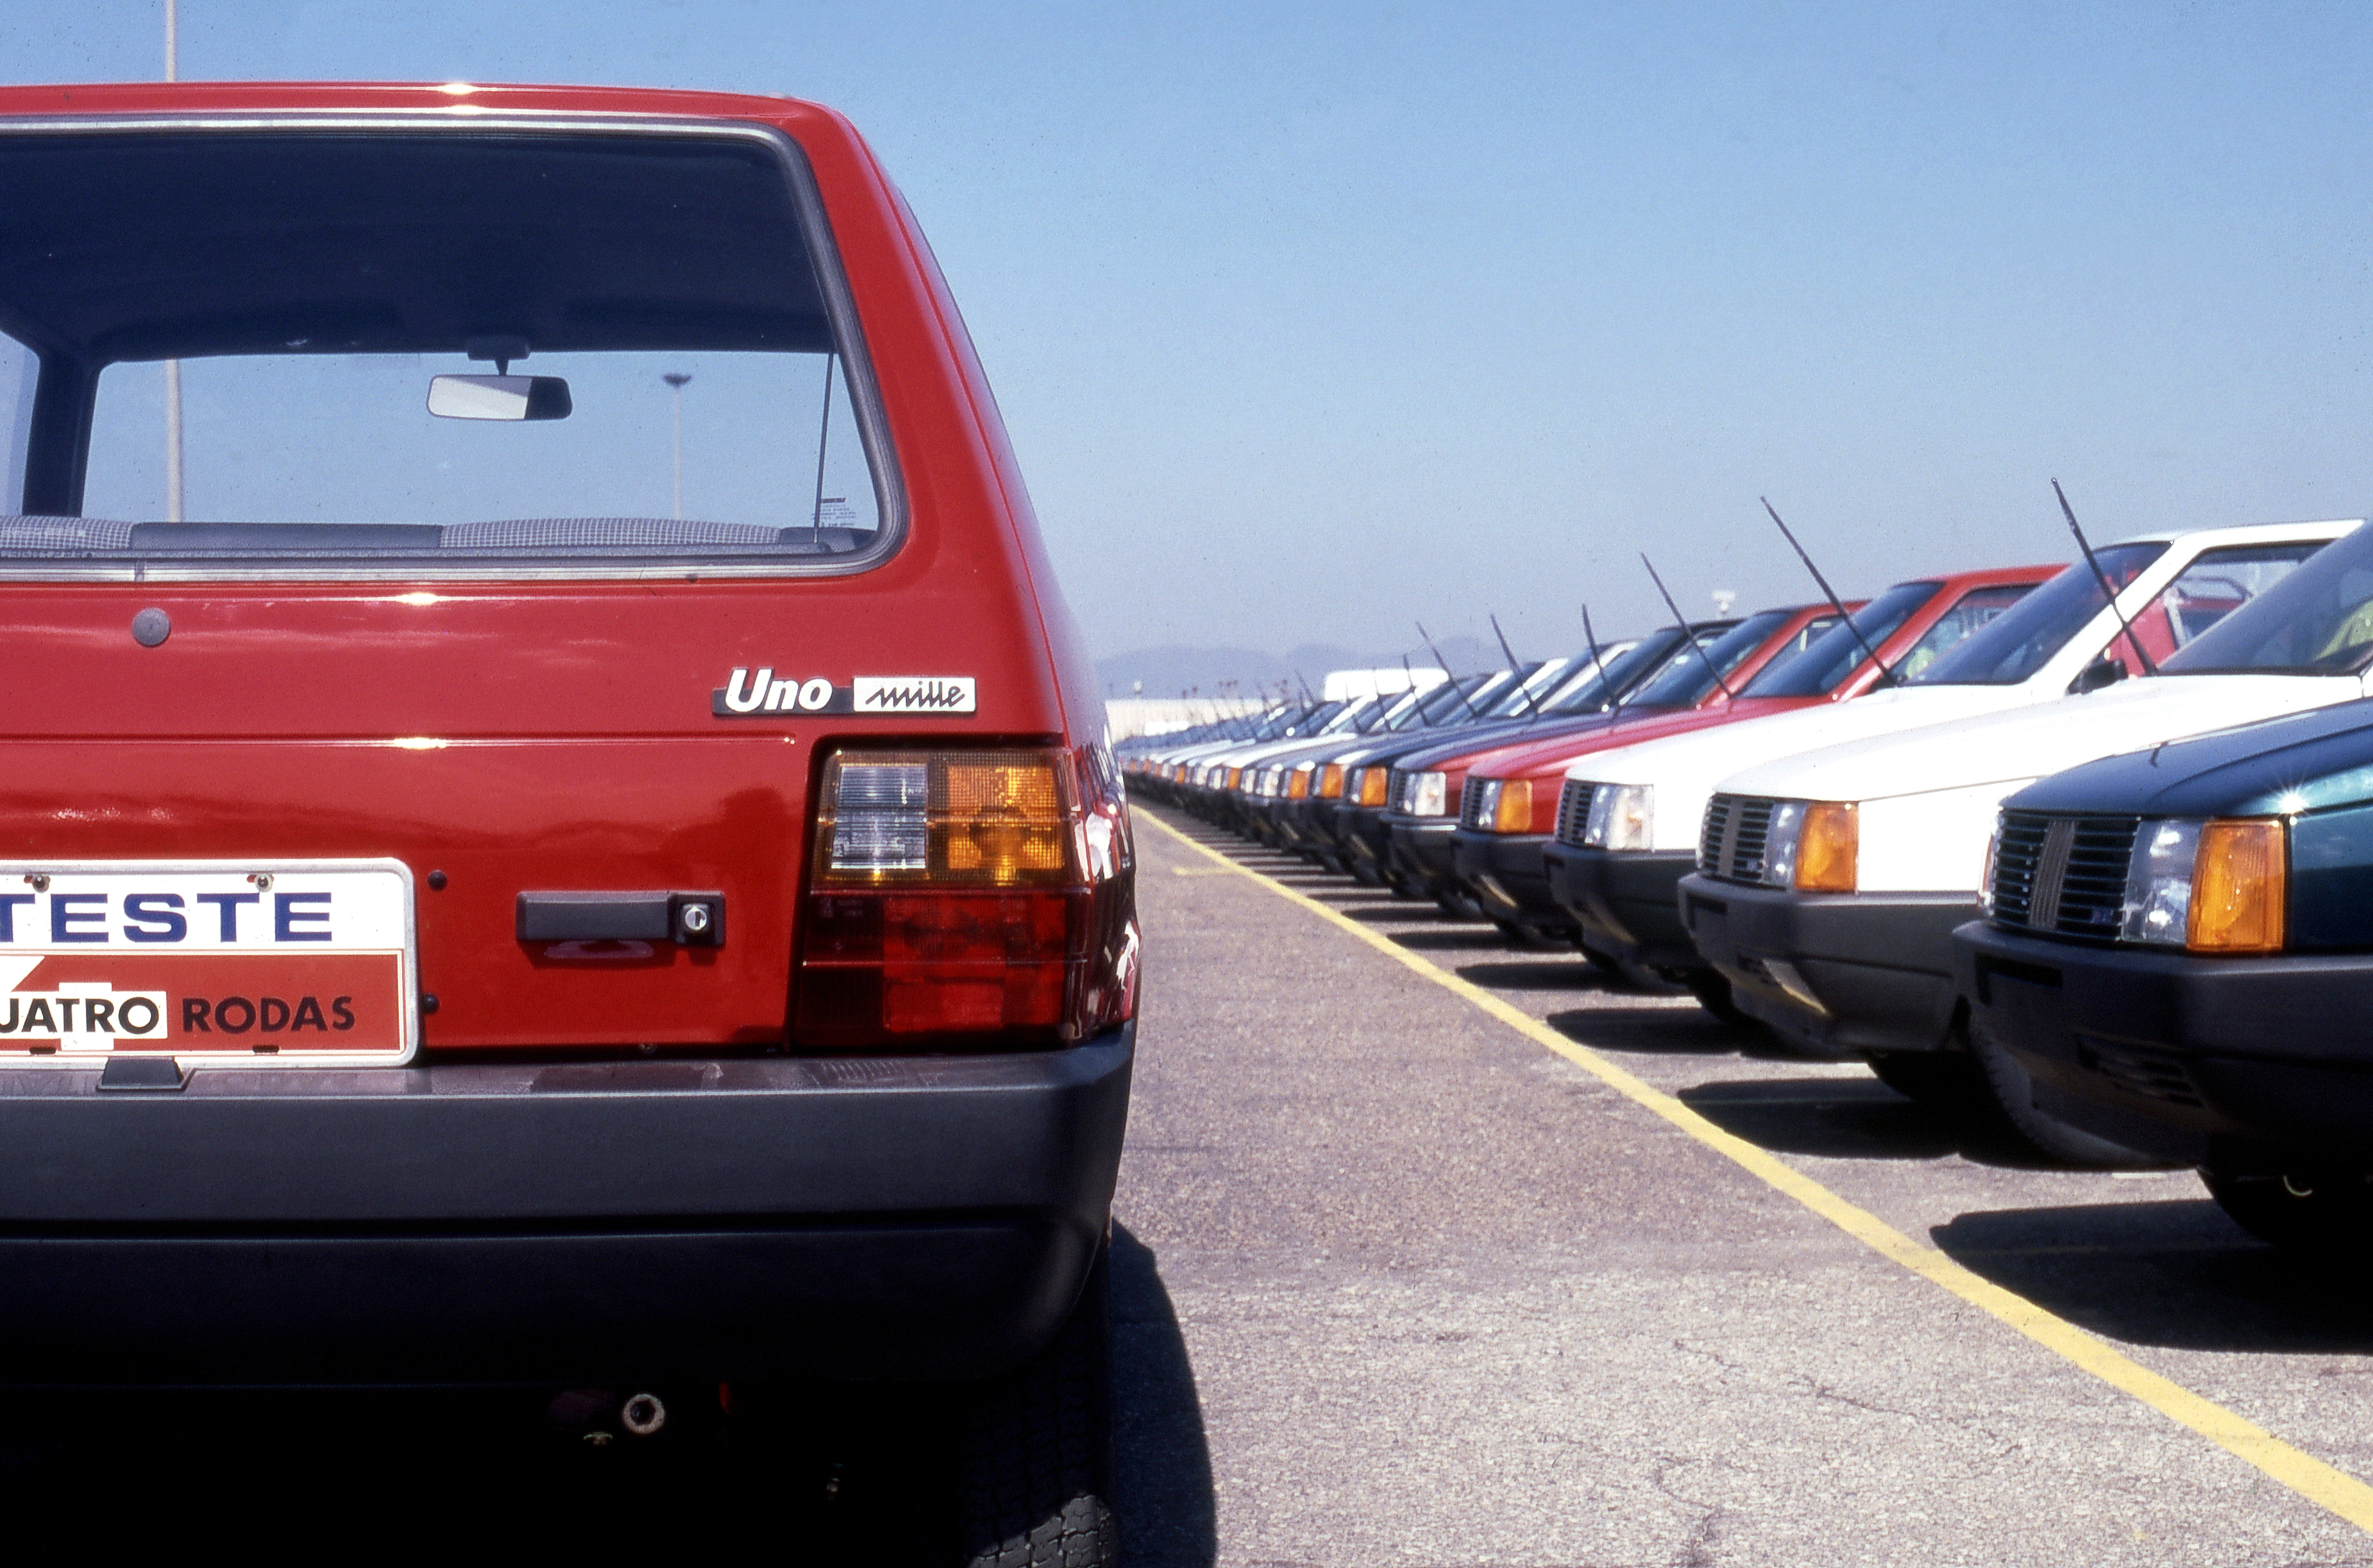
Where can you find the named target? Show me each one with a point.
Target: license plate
(291, 963)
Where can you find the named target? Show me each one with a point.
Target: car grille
(1731, 846)
(2067, 875)
(1472, 807)
(1396, 790)
(2138, 1069)
(1573, 810)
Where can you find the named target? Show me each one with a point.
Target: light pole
(675, 379)
(172, 367)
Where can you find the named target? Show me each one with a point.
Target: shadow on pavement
(1541, 975)
(1852, 1118)
(1664, 1030)
(2176, 1273)
(1161, 1459)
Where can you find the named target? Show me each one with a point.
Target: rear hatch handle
(689, 919)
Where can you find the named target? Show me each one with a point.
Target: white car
(1645, 805)
(1841, 873)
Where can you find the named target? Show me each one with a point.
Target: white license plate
(293, 962)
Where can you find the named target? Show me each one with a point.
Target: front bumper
(1876, 966)
(1360, 831)
(562, 1223)
(1420, 849)
(2245, 1063)
(1626, 905)
(1505, 873)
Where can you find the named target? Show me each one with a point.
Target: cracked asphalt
(1397, 1285)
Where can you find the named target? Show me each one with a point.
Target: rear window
(260, 334)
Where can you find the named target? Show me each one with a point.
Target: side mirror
(498, 397)
(2101, 672)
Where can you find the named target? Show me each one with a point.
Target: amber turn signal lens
(1513, 813)
(1330, 782)
(1827, 847)
(2238, 888)
(1372, 786)
(1297, 784)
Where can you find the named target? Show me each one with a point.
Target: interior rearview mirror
(498, 397)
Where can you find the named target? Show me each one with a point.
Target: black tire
(1943, 1080)
(1606, 964)
(2013, 1093)
(2322, 1216)
(1034, 1460)
(1460, 904)
(1713, 990)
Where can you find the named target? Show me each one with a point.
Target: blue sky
(1311, 320)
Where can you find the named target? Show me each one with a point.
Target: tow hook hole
(643, 1415)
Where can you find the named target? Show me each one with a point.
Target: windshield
(1685, 680)
(1444, 704)
(1824, 666)
(445, 349)
(2317, 621)
(1619, 675)
(1521, 701)
(2018, 642)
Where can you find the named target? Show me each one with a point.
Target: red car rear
(557, 827)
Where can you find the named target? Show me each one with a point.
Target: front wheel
(2325, 1215)
(1711, 989)
(1943, 1080)
(2013, 1093)
(1034, 1459)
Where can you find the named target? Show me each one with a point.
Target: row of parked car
(2089, 846)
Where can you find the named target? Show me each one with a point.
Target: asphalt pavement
(1399, 1285)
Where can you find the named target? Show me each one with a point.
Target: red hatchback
(557, 825)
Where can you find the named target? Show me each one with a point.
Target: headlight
(1330, 782)
(1428, 794)
(1812, 846)
(2158, 883)
(2211, 887)
(1513, 811)
(1622, 817)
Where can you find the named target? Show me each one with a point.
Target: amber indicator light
(1513, 813)
(2238, 878)
(1826, 847)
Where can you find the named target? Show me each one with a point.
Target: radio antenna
(1704, 657)
(1615, 703)
(1438, 659)
(1523, 689)
(1887, 677)
(1423, 722)
(2108, 593)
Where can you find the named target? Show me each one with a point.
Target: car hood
(2027, 742)
(2300, 762)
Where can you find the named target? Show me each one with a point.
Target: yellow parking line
(2312, 1479)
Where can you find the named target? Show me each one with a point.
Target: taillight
(968, 892)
